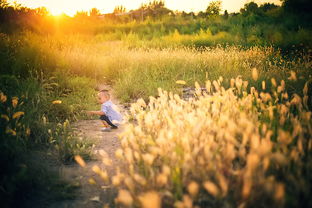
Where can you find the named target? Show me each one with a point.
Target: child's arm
(100, 113)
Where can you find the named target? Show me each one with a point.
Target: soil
(92, 195)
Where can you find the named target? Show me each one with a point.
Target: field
(215, 120)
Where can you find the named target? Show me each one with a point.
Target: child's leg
(106, 120)
(105, 124)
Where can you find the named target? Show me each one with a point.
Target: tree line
(284, 25)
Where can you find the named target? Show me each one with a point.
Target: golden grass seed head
(129, 184)
(263, 85)
(284, 137)
(211, 188)
(148, 159)
(14, 102)
(247, 185)
(208, 86)
(3, 97)
(96, 169)
(279, 158)
(92, 181)
(181, 82)
(166, 170)
(279, 192)
(293, 76)
(229, 152)
(252, 161)
(255, 141)
(232, 82)
(119, 154)
(107, 161)
(274, 83)
(116, 180)
(187, 201)
(285, 96)
(161, 179)
(294, 155)
(124, 197)
(245, 84)
(150, 199)
(80, 161)
(193, 188)
(305, 89)
(296, 100)
(254, 74)
(283, 84)
(5, 117)
(223, 183)
(266, 163)
(10, 131)
(56, 102)
(128, 155)
(140, 179)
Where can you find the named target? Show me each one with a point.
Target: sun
(57, 11)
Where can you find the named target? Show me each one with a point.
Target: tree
(267, 7)
(4, 4)
(202, 14)
(250, 8)
(119, 9)
(94, 12)
(298, 6)
(81, 15)
(214, 8)
(226, 14)
(42, 11)
(154, 9)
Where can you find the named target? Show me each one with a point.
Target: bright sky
(70, 7)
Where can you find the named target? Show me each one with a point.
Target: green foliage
(29, 83)
(214, 8)
(66, 144)
(298, 6)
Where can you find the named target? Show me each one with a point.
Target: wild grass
(54, 76)
(31, 119)
(137, 72)
(230, 146)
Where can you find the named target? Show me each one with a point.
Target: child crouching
(109, 114)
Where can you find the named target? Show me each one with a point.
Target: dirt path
(92, 195)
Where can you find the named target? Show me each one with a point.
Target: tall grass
(138, 71)
(226, 147)
(31, 119)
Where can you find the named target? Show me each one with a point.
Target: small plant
(14, 135)
(67, 144)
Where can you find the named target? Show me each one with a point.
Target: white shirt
(111, 112)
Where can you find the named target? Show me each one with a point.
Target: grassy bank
(36, 106)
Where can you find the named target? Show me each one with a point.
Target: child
(108, 113)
